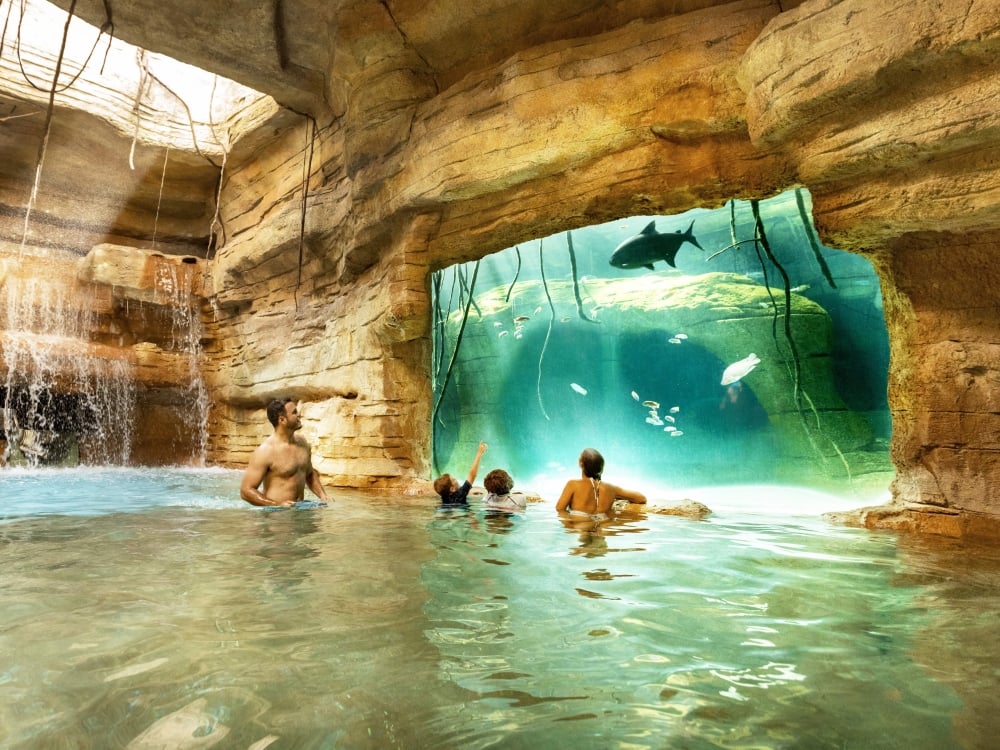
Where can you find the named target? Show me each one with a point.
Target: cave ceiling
(307, 53)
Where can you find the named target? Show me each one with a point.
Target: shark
(649, 246)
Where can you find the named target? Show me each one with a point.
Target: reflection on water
(382, 622)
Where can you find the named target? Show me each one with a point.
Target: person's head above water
(499, 482)
(444, 485)
(276, 410)
(592, 463)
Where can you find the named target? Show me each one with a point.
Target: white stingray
(739, 370)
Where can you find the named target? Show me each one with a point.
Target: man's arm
(255, 472)
(316, 486)
(475, 464)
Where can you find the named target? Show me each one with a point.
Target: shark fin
(650, 228)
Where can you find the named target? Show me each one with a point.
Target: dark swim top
(459, 496)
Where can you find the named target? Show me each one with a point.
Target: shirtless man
(590, 498)
(283, 462)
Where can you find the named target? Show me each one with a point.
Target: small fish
(799, 289)
(565, 319)
(669, 428)
(676, 433)
(651, 404)
(578, 388)
(673, 340)
(502, 334)
(635, 395)
(653, 421)
(538, 309)
(517, 335)
(681, 336)
(674, 409)
(739, 370)
(521, 318)
(497, 324)
(669, 418)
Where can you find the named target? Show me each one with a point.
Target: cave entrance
(746, 361)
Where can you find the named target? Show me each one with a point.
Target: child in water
(499, 484)
(448, 488)
(589, 497)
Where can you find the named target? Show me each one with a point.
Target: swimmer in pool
(283, 462)
(590, 498)
(498, 484)
(448, 487)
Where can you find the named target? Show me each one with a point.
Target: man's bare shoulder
(264, 451)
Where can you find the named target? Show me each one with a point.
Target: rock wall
(432, 142)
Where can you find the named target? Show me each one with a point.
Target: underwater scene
(715, 347)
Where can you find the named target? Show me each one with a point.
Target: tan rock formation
(446, 131)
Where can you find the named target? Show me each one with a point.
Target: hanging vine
(576, 281)
(516, 274)
(458, 343)
(307, 158)
(47, 127)
(548, 333)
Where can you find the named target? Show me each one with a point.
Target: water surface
(154, 609)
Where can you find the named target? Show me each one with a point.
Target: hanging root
(47, 129)
(516, 274)
(807, 225)
(159, 198)
(458, 343)
(307, 160)
(576, 282)
(799, 393)
(548, 333)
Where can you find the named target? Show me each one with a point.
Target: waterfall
(177, 280)
(62, 396)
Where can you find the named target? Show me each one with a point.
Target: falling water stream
(67, 397)
(58, 387)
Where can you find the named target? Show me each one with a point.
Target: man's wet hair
(499, 482)
(276, 409)
(592, 463)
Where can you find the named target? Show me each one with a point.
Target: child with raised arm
(448, 488)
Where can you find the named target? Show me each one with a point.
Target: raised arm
(474, 469)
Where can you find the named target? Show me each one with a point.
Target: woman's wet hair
(592, 463)
(499, 482)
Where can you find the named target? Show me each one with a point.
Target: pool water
(152, 608)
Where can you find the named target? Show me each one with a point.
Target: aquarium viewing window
(721, 346)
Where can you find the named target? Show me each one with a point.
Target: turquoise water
(547, 344)
(152, 608)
